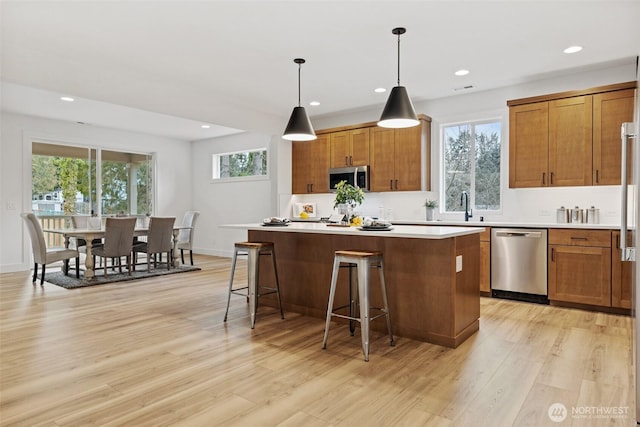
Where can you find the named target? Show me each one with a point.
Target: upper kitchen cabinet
(610, 109)
(569, 138)
(396, 157)
(570, 153)
(529, 145)
(310, 165)
(350, 148)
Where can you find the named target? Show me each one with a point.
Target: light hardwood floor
(156, 352)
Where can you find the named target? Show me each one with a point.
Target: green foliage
(73, 175)
(44, 176)
(348, 194)
(431, 203)
(68, 169)
(250, 163)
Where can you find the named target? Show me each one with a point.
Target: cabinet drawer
(571, 237)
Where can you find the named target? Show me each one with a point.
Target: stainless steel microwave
(357, 176)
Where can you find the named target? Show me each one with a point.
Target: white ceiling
(177, 64)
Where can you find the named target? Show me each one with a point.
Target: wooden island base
(429, 301)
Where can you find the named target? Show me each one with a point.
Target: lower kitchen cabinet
(621, 284)
(580, 266)
(485, 262)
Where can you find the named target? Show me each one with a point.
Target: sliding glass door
(70, 180)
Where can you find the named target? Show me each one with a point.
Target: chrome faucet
(464, 198)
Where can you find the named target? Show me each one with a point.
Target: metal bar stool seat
(363, 261)
(253, 251)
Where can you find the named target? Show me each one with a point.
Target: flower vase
(430, 214)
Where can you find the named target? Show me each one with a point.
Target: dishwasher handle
(529, 234)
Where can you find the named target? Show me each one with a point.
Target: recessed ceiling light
(314, 103)
(67, 98)
(205, 126)
(573, 49)
(461, 72)
(380, 90)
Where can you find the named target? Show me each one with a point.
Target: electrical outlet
(458, 263)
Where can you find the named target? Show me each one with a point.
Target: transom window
(250, 163)
(471, 163)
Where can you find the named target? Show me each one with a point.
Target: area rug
(70, 282)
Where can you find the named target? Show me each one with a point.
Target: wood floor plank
(156, 352)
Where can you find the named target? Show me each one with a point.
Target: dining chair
(118, 241)
(159, 241)
(185, 236)
(42, 255)
(82, 221)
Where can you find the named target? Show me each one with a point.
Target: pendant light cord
(398, 59)
(299, 68)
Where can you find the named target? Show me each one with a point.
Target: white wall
(234, 202)
(172, 166)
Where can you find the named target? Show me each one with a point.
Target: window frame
(441, 190)
(215, 168)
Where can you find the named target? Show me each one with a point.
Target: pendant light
(299, 127)
(398, 111)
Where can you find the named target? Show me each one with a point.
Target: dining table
(88, 234)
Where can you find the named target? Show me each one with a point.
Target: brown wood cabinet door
(340, 149)
(621, 284)
(610, 110)
(359, 143)
(580, 274)
(570, 141)
(485, 267)
(529, 145)
(408, 160)
(321, 150)
(300, 161)
(382, 154)
(310, 166)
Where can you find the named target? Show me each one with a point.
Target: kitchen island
(432, 274)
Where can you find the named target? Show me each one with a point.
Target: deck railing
(54, 221)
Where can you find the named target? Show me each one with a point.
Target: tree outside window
(471, 163)
(240, 164)
(65, 182)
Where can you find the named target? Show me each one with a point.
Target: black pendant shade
(299, 127)
(398, 111)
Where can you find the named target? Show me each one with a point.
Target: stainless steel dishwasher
(519, 264)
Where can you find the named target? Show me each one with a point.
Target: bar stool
(253, 251)
(363, 261)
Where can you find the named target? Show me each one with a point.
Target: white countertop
(406, 231)
(476, 223)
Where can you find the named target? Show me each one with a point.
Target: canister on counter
(562, 215)
(593, 215)
(577, 215)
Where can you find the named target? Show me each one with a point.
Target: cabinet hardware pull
(346, 160)
(396, 184)
(551, 178)
(351, 160)
(391, 184)
(578, 238)
(553, 254)
(597, 176)
(617, 241)
(543, 178)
